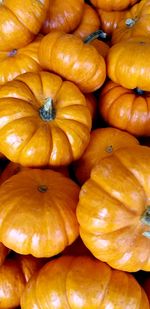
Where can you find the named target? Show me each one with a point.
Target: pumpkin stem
(47, 111)
(99, 34)
(42, 188)
(109, 149)
(139, 91)
(145, 219)
(130, 22)
(12, 53)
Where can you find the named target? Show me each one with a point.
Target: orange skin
(113, 5)
(125, 109)
(103, 143)
(64, 16)
(16, 62)
(113, 209)
(82, 282)
(20, 21)
(110, 19)
(39, 140)
(42, 215)
(81, 63)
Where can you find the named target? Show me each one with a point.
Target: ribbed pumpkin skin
(103, 143)
(127, 70)
(113, 209)
(82, 282)
(113, 5)
(64, 16)
(20, 22)
(125, 109)
(135, 23)
(81, 63)
(19, 61)
(27, 136)
(110, 19)
(41, 216)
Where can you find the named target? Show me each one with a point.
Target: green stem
(130, 22)
(47, 111)
(99, 34)
(145, 219)
(139, 91)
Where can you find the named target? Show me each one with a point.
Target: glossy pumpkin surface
(125, 109)
(103, 143)
(126, 69)
(73, 59)
(20, 22)
(41, 216)
(82, 282)
(113, 5)
(114, 209)
(110, 19)
(42, 118)
(64, 16)
(135, 23)
(19, 61)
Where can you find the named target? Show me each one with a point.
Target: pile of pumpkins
(74, 154)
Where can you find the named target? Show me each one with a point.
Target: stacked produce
(74, 154)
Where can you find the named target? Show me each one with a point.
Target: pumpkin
(3, 253)
(20, 22)
(82, 282)
(146, 286)
(91, 102)
(14, 275)
(73, 59)
(134, 23)
(44, 120)
(103, 143)
(113, 5)
(114, 212)
(18, 61)
(128, 63)
(96, 39)
(110, 19)
(89, 23)
(64, 16)
(41, 216)
(125, 109)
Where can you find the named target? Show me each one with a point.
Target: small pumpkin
(114, 209)
(82, 282)
(19, 61)
(98, 40)
(20, 22)
(110, 20)
(113, 5)
(91, 102)
(44, 120)
(64, 16)
(73, 59)
(103, 143)
(135, 23)
(40, 219)
(14, 275)
(128, 63)
(125, 109)
(89, 23)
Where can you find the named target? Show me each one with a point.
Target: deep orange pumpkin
(82, 282)
(43, 120)
(20, 21)
(73, 59)
(113, 5)
(114, 209)
(40, 219)
(125, 109)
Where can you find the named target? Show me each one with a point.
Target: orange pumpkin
(91, 102)
(134, 23)
(73, 59)
(42, 118)
(114, 212)
(20, 22)
(125, 109)
(110, 19)
(96, 39)
(82, 282)
(128, 63)
(18, 61)
(113, 5)
(41, 216)
(89, 23)
(14, 275)
(103, 143)
(64, 16)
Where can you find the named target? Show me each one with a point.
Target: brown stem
(47, 111)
